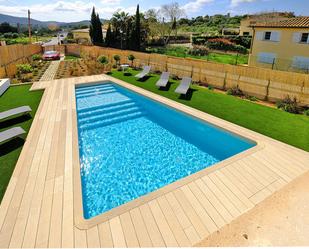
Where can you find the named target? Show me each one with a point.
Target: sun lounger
(146, 70)
(19, 111)
(4, 85)
(10, 134)
(162, 82)
(184, 85)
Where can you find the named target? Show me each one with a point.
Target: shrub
(251, 98)
(210, 87)
(36, 57)
(306, 112)
(225, 45)
(117, 59)
(102, 59)
(131, 58)
(198, 51)
(289, 104)
(24, 68)
(235, 91)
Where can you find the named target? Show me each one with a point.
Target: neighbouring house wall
(260, 82)
(12, 55)
(285, 49)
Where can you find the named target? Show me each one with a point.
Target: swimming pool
(130, 145)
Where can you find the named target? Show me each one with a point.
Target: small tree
(103, 60)
(131, 58)
(108, 38)
(117, 59)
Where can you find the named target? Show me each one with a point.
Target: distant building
(282, 45)
(82, 35)
(246, 24)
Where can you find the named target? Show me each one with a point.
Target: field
(14, 97)
(180, 51)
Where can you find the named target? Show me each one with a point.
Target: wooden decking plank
(192, 235)
(25, 205)
(105, 234)
(35, 209)
(128, 230)
(233, 188)
(177, 209)
(164, 228)
(247, 192)
(80, 238)
(214, 200)
(208, 206)
(93, 240)
(140, 228)
(205, 217)
(67, 218)
(117, 232)
(261, 195)
(151, 225)
(173, 222)
(193, 217)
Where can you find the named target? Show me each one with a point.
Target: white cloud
(195, 6)
(235, 3)
(59, 6)
(111, 2)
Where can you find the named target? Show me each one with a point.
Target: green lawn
(71, 58)
(180, 51)
(289, 128)
(9, 152)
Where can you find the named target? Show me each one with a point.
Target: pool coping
(84, 224)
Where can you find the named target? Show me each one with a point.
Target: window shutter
(297, 37)
(266, 57)
(275, 36)
(301, 62)
(259, 35)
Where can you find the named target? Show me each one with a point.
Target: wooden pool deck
(41, 205)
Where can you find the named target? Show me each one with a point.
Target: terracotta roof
(297, 22)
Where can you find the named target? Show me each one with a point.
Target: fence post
(236, 59)
(273, 64)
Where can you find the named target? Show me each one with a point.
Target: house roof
(297, 22)
(84, 30)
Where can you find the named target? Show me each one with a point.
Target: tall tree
(137, 30)
(108, 38)
(95, 30)
(99, 31)
(93, 26)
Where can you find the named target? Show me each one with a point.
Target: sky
(77, 10)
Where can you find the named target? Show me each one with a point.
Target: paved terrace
(41, 207)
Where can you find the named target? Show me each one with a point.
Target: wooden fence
(263, 83)
(12, 55)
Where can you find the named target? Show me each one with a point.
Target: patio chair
(163, 81)
(10, 134)
(146, 70)
(184, 86)
(19, 111)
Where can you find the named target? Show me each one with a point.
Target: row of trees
(132, 31)
(124, 31)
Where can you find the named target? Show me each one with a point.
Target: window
(267, 36)
(268, 58)
(301, 62)
(304, 38)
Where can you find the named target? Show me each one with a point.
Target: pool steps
(103, 115)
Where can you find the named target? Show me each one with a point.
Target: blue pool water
(130, 146)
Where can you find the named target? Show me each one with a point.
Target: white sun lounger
(184, 85)
(19, 111)
(10, 134)
(146, 70)
(162, 82)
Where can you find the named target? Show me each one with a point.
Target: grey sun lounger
(184, 85)
(19, 111)
(10, 134)
(162, 82)
(146, 70)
